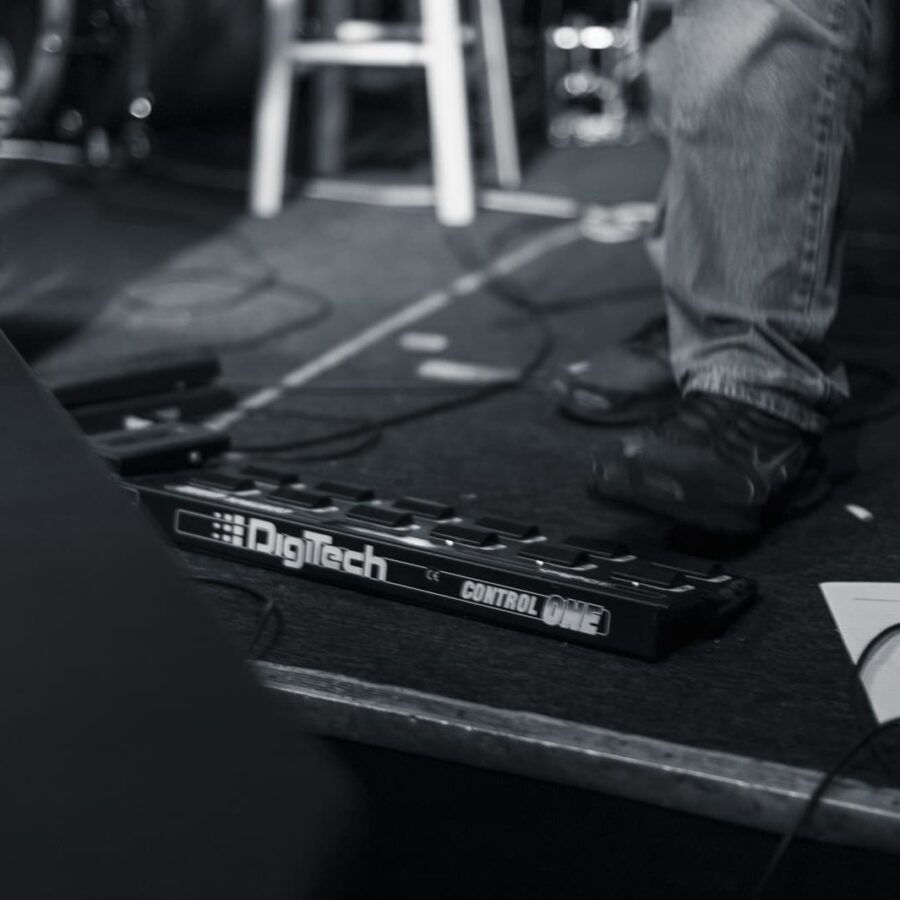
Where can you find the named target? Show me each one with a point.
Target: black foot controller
(589, 591)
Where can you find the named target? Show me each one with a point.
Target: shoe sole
(811, 488)
(733, 521)
(635, 412)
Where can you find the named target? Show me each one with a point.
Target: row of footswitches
(361, 505)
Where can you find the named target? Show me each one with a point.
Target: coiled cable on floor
(269, 612)
(815, 799)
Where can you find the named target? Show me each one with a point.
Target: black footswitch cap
(303, 498)
(603, 547)
(139, 377)
(428, 509)
(380, 515)
(690, 565)
(270, 475)
(466, 534)
(159, 448)
(558, 554)
(346, 491)
(224, 482)
(647, 574)
(520, 531)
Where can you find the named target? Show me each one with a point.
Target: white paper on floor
(454, 372)
(422, 342)
(861, 610)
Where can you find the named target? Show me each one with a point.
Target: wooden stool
(437, 46)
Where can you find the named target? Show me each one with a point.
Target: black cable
(244, 286)
(502, 287)
(270, 611)
(369, 435)
(815, 798)
(888, 406)
(321, 312)
(367, 443)
(471, 259)
(513, 292)
(321, 309)
(858, 694)
(856, 682)
(466, 398)
(309, 415)
(208, 178)
(247, 286)
(516, 294)
(370, 431)
(354, 428)
(871, 647)
(352, 387)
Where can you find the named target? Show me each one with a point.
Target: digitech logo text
(310, 549)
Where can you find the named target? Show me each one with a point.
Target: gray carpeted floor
(130, 267)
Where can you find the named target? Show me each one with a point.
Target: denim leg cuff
(712, 381)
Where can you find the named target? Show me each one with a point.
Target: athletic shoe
(623, 384)
(714, 463)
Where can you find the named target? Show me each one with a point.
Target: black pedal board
(158, 448)
(189, 405)
(589, 591)
(140, 377)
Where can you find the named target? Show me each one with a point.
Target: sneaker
(715, 463)
(624, 384)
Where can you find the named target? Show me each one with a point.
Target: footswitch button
(429, 509)
(690, 565)
(557, 554)
(302, 498)
(271, 476)
(380, 515)
(602, 547)
(159, 448)
(648, 574)
(466, 534)
(346, 491)
(520, 531)
(224, 482)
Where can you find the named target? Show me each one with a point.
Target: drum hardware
(46, 152)
(594, 80)
(79, 92)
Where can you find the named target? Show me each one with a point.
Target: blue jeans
(760, 101)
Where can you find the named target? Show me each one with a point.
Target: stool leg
(504, 141)
(271, 131)
(330, 99)
(448, 112)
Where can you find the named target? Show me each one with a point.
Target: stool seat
(356, 30)
(358, 53)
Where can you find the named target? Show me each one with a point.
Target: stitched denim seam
(721, 383)
(812, 248)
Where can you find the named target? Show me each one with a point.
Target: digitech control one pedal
(598, 593)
